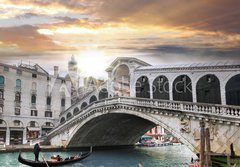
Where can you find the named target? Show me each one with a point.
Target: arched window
(182, 88)
(69, 115)
(33, 99)
(233, 91)
(1, 80)
(84, 104)
(208, 90)
(76, 110)
(49, 100)
(18, 83)
(92, 99)
(1, 94)
(160, 88)
(142, 87)
(103, 94)
(62, 120)
(63, 102)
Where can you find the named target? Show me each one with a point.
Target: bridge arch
(136, 124)
(233, 90)
(142, 87)
(103, 94)
(160, 88)
(83, 105)
(76, 111)
(182, 89)
(208, 89)
(121, 80)
(92, 99)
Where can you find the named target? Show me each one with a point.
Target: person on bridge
(36, 151)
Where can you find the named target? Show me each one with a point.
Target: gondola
(49, 163)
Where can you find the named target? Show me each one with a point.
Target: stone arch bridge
(123, 120)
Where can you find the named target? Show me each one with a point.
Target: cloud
(27, 38)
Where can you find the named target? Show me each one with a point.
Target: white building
(30, 101)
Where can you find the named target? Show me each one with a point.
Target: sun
(93, 63)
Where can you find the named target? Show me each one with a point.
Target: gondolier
(36, 151)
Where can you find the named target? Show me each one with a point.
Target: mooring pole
(208, 148)
(202, 143)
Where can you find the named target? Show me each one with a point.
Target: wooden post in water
(208, 148)
(202, 143)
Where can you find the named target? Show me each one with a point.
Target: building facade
(31, 101)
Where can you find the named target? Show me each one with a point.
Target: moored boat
(51, 163)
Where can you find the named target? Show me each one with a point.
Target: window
(32, 124)
(33, 99)
(63, 81)
(17, 111)
(18, 83)
(33, 112)
(62, 102)
(6, 68)
(48, 100)
(48, 78)
(1, 109)
(1, 80)
(48, 114)
(16, 123)
(48, 123)
(34, 75)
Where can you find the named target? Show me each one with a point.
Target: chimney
(55, 70)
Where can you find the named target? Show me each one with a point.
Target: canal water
(168, 156)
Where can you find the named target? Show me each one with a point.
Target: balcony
(18, 89)
(33, 91)
(1, 101)
(2, 86)
(33, 105)
(48, 107)
(18, 104)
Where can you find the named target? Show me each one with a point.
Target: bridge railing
(201, 108)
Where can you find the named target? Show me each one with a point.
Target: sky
(49, 32)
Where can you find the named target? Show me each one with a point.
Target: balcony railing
(33, 91)
(17, 103)
(48, 107)
(18, 89)
(1, 100)
(1, 86)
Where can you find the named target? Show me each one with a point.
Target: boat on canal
(46, 163)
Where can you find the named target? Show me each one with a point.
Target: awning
(33, 128)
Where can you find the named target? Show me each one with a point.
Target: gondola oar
(44, 160)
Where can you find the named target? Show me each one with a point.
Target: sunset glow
(155, 31)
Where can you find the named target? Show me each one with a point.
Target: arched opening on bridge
(76, 111)
(121, 81)
(111, 129)
(92, 99)
(142, 87)
(69, 115)
(233, 91)
(62, 120)
(84, 104)
(208, 90)
(160, 88)
(182, 88)
(103, 94)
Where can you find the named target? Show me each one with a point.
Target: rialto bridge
(138, 96)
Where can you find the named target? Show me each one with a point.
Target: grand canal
(149, 157)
